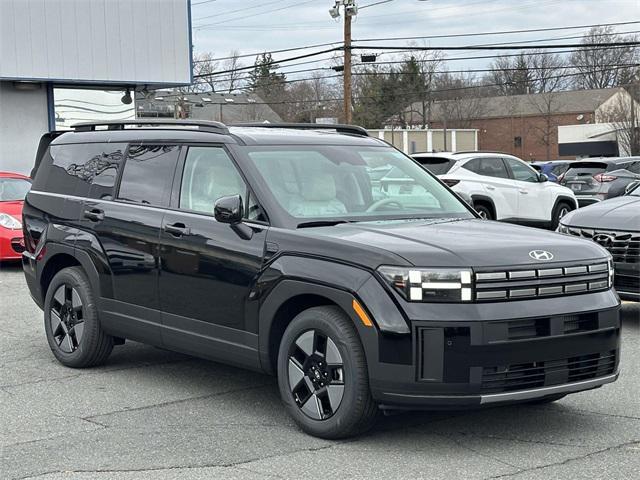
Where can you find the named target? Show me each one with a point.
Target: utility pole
(350, 10)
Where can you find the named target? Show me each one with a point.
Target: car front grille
(524, 376)
(520, 283)
(623, 246)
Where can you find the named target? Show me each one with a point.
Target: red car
(13, 189)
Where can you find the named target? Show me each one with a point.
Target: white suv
(502, 187)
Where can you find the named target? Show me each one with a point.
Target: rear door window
(148, 174)
(487, 166)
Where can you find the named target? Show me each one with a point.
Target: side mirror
(542, 177)
(632, 186)
(228, 209)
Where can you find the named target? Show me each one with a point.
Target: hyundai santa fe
(315, 253)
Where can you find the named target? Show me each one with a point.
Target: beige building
(414, 140)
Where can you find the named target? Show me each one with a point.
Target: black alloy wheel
(316, 375)
(323, 376)
(71, 322)
(67, 318)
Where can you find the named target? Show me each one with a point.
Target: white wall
(23, 119)
(102, 41)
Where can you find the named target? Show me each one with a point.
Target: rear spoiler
(45, 140)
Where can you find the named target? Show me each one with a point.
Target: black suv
(318, 254)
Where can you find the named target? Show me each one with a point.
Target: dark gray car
(594, 180)
(614, 224)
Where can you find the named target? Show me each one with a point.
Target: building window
(517, 142)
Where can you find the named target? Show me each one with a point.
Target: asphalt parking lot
(152, 414)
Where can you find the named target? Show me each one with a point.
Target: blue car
(552, 169)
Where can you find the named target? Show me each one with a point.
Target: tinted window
(436, 165)
(521, 172)
(487, 166)
(208, 175)
(87, 169)
(12, 189)
(148, 174)
(559, 169)
(634, 168)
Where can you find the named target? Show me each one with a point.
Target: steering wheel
(380, 203)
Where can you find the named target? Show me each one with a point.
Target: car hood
(12, 208)
(453, 243)
(620, 213)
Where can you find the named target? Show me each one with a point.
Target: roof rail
(204, 125)
(340, 128)
(497, 152)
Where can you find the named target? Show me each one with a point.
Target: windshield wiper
(320, 223)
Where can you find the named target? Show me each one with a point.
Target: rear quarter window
(83, 170)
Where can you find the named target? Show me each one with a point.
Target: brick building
(522, 125)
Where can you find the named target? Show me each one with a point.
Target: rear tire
(71, 321)
(484, 211)
(323, 377)
(560, 210)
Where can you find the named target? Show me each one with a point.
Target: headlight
(611, 272)
(7, 221)
(563, 229)
(430, 284)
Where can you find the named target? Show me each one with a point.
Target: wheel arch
(484, 199)
(59, 257)
(564, 199)
(288, 299)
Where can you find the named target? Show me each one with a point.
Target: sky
(249, 26)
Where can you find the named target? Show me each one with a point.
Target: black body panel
(184, 281)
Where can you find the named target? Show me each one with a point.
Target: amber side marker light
(364, 318)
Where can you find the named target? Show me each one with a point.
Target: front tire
(484, 211)
(323, 377)
(558, 212)
(71, 321)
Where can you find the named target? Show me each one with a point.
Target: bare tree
(624, 115)
(546, 131)
(204, 69)
(602, 66)
(536, 72)
(459, 101)
(233, 80)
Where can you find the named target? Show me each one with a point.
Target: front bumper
(11, 244)
(627, 280)
(517, 355)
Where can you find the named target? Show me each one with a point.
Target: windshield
(352, 183)
(13, 189)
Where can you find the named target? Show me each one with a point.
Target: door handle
(95, 215)
(524, 192)
(489, 187)
(177, 229)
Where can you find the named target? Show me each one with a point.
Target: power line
(243, 17)
(237, 10)
(456, 35)
(435, 91)
(586, 46)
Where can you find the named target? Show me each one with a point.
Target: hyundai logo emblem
(541, 255)
(603, 239)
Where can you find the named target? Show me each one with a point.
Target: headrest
(321, 187)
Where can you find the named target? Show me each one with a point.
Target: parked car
(594, 180)
(553, 169)
(282, 248)
(13, 189)
(502, 187)
(614, 224)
